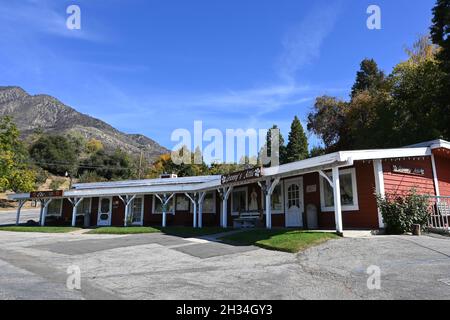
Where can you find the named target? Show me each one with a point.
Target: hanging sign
(240, 176)
(46, 194)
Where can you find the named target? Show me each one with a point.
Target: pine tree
(267, 148)
(440, 35)
(297, 147)
(369, 77)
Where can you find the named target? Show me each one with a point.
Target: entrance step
(81, 231)
(358, 233)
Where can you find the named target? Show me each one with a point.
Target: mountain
(44, 112)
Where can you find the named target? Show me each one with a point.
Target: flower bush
(400, 212)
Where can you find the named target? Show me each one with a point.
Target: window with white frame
(84, 207)
(157, 206)
(55, 207)
(209, 203)
(277, 199)
(349, 192)
(137, 210)
(239, 201)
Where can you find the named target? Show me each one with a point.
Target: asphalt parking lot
(157, 266)
(9, 217)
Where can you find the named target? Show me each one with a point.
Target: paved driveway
(156, 266)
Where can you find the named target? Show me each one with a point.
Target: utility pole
(140, 164)
(68, 175)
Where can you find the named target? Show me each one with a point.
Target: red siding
(399, 183)
(312, 197)
(367, 215)
(149, 217)
(443, 174)
(118, 212)
(94, 211)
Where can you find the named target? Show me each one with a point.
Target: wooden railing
(440, 213)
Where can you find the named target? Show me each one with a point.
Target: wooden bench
(247, 220)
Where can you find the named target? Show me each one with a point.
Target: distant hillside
(31, 112)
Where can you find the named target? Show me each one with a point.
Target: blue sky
(154, 66)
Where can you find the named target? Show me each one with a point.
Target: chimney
(168, 176)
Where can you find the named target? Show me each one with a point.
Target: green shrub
(56, 183)
(90, 176)
(400, 212)
(41, 175)
(55, 153)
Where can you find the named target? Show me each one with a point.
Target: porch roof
(203, 183)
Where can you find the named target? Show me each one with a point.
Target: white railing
(440, 213)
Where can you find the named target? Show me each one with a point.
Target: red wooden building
(332, 191)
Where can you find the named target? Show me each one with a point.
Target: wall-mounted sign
(241, 175)
(406, 170)
(46, 194)
(311, 188)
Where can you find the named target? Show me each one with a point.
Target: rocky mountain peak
(50, 115)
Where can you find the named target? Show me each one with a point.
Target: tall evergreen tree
(369, 77)
(440, 35)
(440, 29)
(297, 147)
(268, 146)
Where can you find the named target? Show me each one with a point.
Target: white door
(293, 195)
(104, 212)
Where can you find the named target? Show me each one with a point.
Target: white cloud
(302, 43)
(32, 18)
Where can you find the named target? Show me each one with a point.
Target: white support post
(164, 201)
(326, 178)
(75, 202)
(435, 176)
(21, 203)
(268, 189)
(268, 210)
(337, 200)
(41, 211)
(194, 211)
(200, 209)
(225, 195)
(379, 186)
(126, 201)
(44, 211)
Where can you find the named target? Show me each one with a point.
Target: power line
(78, 165)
